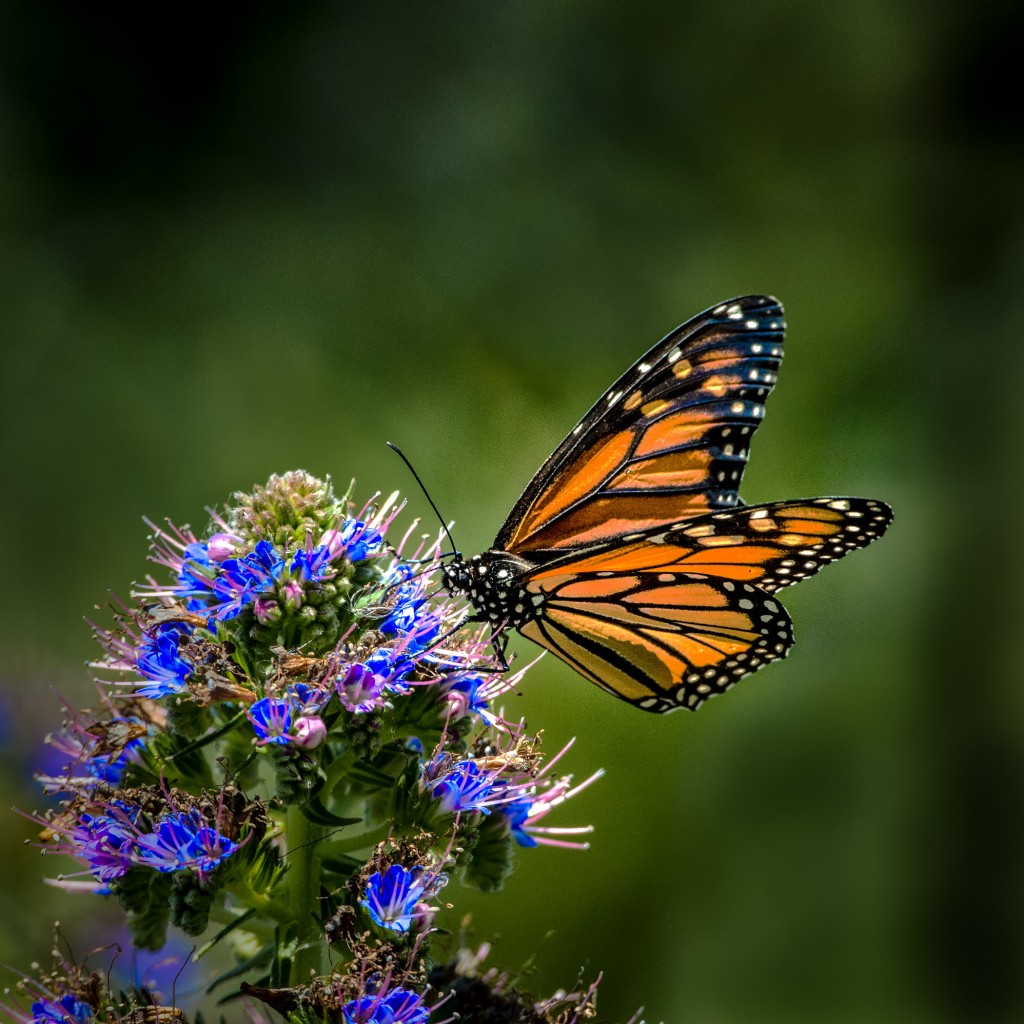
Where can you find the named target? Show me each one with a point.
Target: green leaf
(144, 894)
(313, 810)
(258, 960)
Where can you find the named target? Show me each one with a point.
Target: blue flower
(65, 1010)
(184, 840)
(411, 618)
(196, 573)
(305, 700)
(398, 572)
(393, 899)
(465, 787)
(392, 667)
(464, 696)
(399, 1006)
(314, 564)
(402, 618)
(424, 633)
(241, 579)
(159, 659)
(76, 766)
(271, 721)
(354, 539)
(518, 812)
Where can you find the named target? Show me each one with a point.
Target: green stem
(247, 896)
(337, 768)
(302, 838)
(359, 841)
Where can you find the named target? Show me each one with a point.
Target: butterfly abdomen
(491, 582)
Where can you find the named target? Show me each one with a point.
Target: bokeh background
(242, 238)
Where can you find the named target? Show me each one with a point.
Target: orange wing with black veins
(668, 441)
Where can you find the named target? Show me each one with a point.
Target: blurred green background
(243, 238)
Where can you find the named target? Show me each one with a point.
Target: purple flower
(399, 1006)
(184, 840)
(111, 842)
(393, 667)
(395, 899)
(360, 688)
(106, 842)
(77, 766)
(159, 659)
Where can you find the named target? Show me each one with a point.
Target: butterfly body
(630, 554)
(492, 582)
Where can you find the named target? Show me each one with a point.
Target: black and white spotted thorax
(491, 581)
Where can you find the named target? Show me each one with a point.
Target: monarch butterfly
(630, 554)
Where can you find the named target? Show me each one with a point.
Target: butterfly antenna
(426, 494)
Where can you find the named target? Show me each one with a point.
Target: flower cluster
(72, 993)
(111, 836)
(508, 784)
(302, 742)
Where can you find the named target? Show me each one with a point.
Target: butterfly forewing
(660, 641)
(772, 545)
(669, 440)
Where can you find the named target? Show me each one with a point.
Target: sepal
(490, 858)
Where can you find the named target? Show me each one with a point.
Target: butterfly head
(491, 581)
(457, 575)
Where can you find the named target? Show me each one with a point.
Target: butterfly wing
(670, 617)
(661, 641)
(771, 546)
(667, 441)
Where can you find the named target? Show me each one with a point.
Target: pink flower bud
(222, 546)
(423, 917)
(459, 704)
(309, 732)
(293, 594)
(267, 610)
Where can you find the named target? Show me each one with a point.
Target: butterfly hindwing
(667, 441)
(660, 641)
(771, 546)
